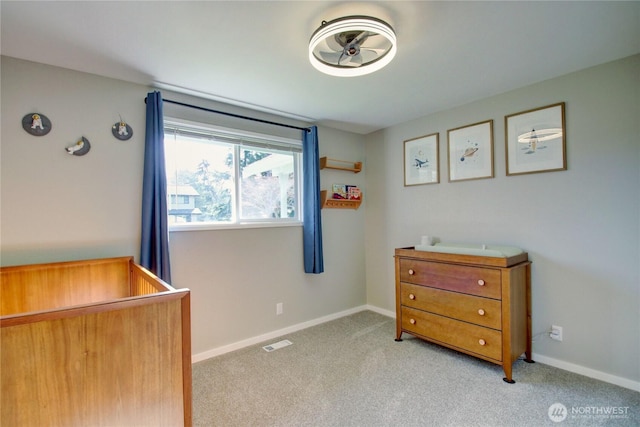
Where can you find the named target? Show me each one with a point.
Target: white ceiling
(255, 53)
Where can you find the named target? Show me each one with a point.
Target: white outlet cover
(556, 333)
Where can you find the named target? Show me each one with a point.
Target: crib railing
(96, 342)
(142, 282)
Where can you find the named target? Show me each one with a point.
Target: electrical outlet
(556, 333)
(279, 308)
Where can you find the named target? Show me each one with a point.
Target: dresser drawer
(481, 311)
(476, 339)
(484, 282)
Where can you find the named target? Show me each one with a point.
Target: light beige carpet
(351, 372)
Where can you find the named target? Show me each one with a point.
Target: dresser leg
(528, 350)
(507, 371)
(527, 354)
(399, 337)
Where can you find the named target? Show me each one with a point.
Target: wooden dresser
(477, 305)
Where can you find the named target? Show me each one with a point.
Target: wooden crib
(93, 343)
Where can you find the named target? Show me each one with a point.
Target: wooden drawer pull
(412, 321)
(481, 282)
(412, 296)
(481, 312)
(481, 342)
(411, 272)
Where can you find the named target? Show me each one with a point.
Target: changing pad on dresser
(472, 249)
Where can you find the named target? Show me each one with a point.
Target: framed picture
(421, 160)
(471, 151)
(535, 140)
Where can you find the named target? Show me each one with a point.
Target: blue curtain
(154, 248)
(312, 220)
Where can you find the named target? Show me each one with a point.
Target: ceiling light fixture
(352, 46)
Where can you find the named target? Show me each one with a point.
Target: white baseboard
(587, 372)
(275, 334)
(571, 367)
(379, 310)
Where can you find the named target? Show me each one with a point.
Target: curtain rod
(238, 116)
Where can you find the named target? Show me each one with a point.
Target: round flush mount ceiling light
(352, 46)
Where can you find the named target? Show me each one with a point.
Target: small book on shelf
(353, 192)
(340, 191)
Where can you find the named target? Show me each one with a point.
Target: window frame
(253, 139)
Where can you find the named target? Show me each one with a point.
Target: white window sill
(242, 225)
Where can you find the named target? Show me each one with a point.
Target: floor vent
(277, 345)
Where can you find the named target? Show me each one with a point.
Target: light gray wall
(59, 207)
(238, 276)
(56, 206)
(581, 226)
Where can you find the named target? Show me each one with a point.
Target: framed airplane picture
(421, 160)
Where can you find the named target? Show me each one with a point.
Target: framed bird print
(421, 160)
(471, 151)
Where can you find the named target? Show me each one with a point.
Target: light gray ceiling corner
(254, 53)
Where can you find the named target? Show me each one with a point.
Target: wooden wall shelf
(338, 203)
(327, 163)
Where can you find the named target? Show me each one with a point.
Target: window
(224, 177)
